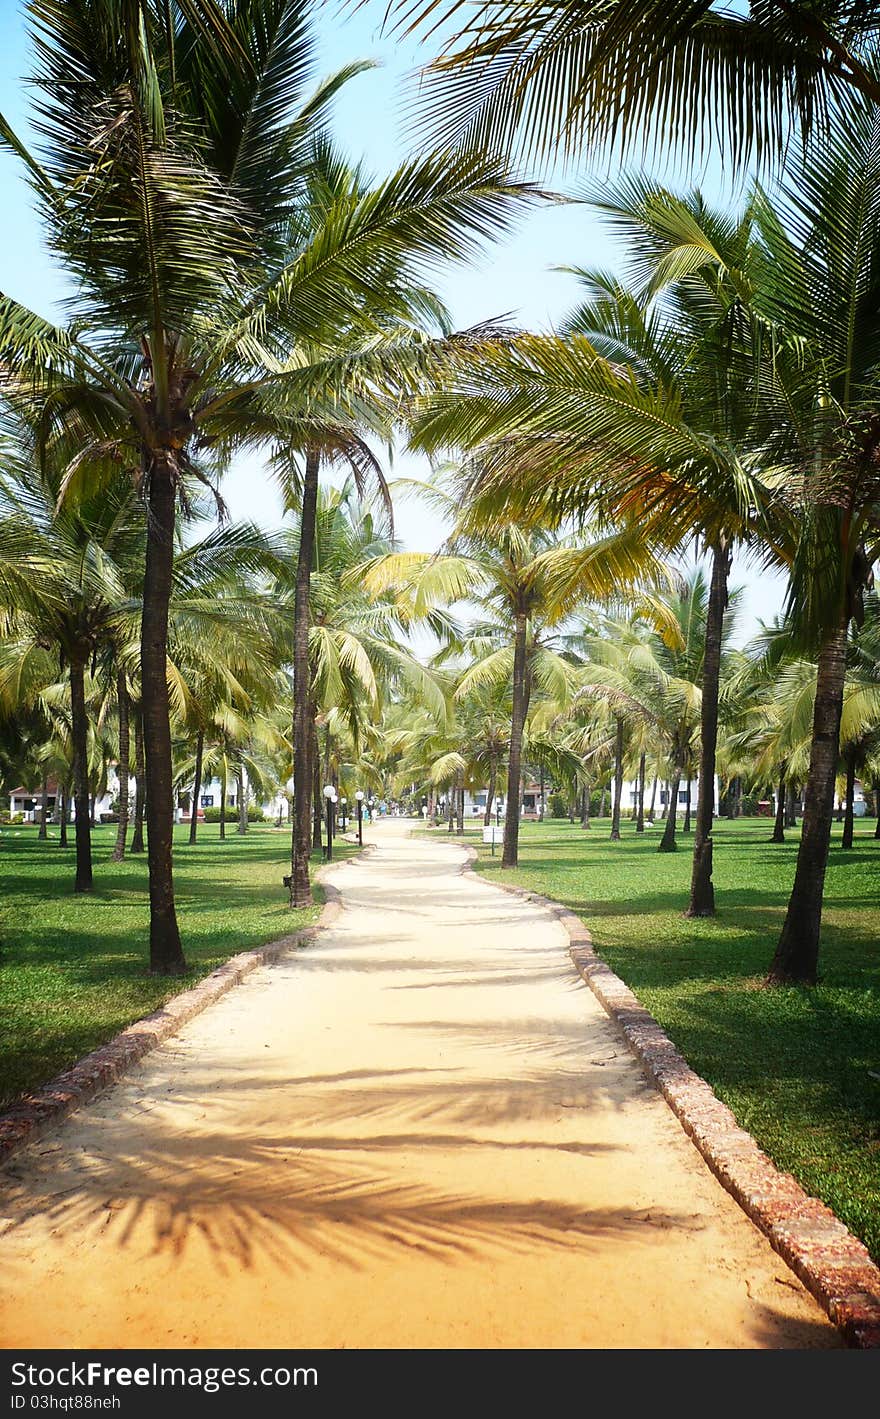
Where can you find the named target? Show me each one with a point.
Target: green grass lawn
(793, 1065)
(73, 970)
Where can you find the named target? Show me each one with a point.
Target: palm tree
(176, 141)
(554, 80)
(527, 584)
(644, 408)
(654, 685)
(820, 292)
(356, 655)
(73, 605)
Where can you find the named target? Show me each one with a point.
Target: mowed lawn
(73, 970)
(799, 1068)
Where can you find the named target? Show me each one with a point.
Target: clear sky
(370, 122)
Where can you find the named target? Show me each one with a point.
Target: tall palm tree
(643, 407)
(527, 584)
(72, 607)
(176, 139)
(821, 291)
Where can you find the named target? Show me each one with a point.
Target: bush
(749, 805)
(558, 805)
(255, 814)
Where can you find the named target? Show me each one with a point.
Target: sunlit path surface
(421, 1131)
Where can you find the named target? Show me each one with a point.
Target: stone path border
(31, 1115)
(834, 1266)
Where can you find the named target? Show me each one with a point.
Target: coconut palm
(173, 179)
(644, 407)
(820, 295)
(527, 584)
(555, 80)
(68, 606)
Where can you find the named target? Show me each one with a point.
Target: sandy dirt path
(421, 1131)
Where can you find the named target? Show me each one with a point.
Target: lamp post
(342, 809)
(370, 805)
(359, 800)
(330, 799)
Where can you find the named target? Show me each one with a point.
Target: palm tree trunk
(602, 801)
(640, 820)
(702, 900)
(242, 801)
(653, 799)
(797, 952)
(64, 810)
(585, 815)
(791, 798)
(224, 785)
(541, 799)
(166, 951)
(451, 809)
(303, 721)
(618, 781)
(667, 842)
(79, 735)
(140, 787)
(510, 853)
(459, 811)
(197, 785)
(847, 839)
(779, 825)
(122, 765)
(44, 808)
(686, 825)
(877, 806)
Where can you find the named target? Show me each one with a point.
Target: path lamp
(288, 790)
(342, 809)
(359, 800)
(329, 799)
(371, 803)
(497, 822)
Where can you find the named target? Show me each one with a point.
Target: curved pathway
(421, 1131)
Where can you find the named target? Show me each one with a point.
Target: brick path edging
(31, 1115)
(834, 1266)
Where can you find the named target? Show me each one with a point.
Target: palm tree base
(780, 977)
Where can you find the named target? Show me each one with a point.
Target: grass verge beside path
(73, 970)
(795, 1066)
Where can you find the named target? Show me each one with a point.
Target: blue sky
(370, 122)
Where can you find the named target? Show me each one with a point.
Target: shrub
(255, 814)
(558, 805)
